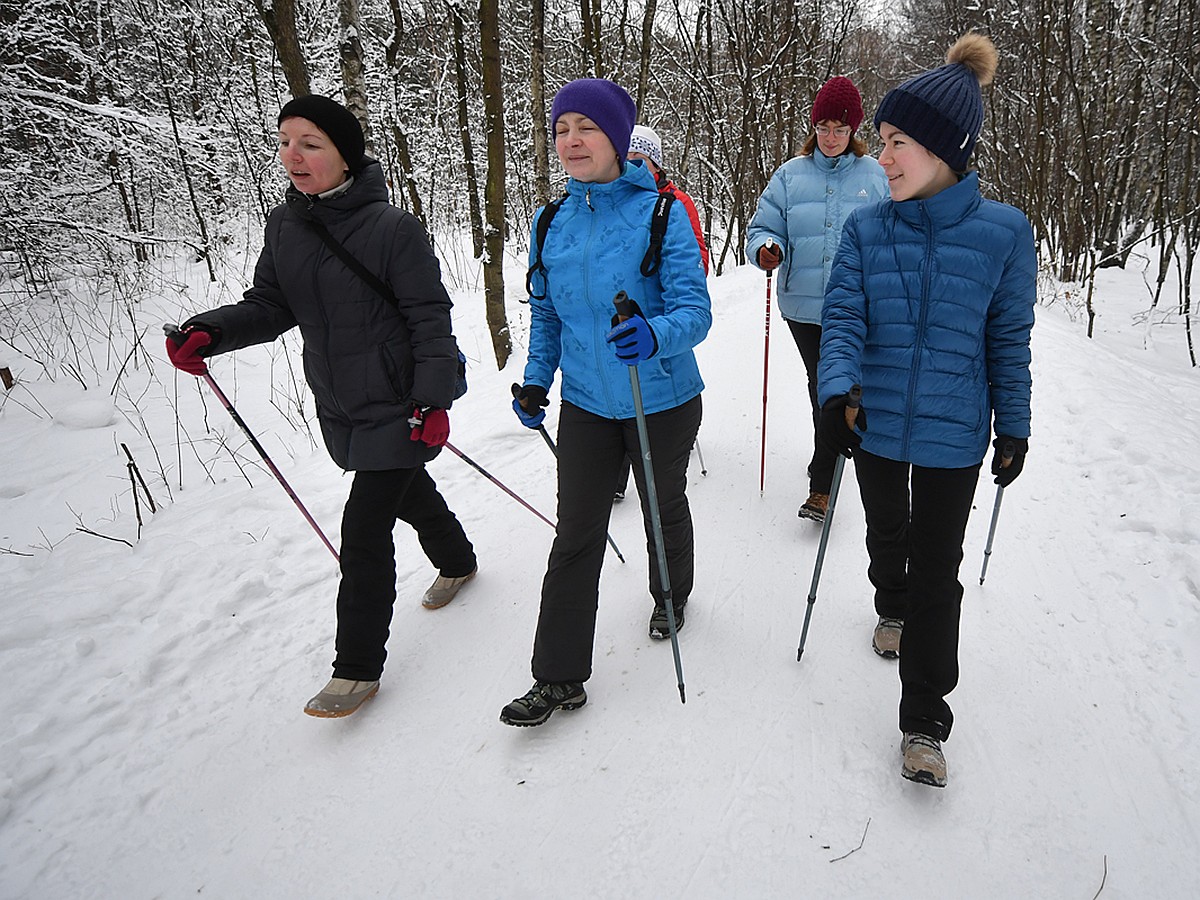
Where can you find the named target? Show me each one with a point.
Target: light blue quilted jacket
(803, 210)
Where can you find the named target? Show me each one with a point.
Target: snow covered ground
(154, 744)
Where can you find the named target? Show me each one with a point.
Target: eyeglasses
(842, 131)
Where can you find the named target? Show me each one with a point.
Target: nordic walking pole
(1009, 452)
(852, 404)
(494, 480)
(172, 332)
(625, 311)
(762, 464)
(516, 389)
(700, 454)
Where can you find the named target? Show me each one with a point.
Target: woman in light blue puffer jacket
(797, 227)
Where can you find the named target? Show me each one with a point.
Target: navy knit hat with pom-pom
(942, 109)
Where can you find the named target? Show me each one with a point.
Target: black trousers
(916, 520)
(808, 342)
(590, 451)
(368, 588)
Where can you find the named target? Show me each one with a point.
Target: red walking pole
(762, 466)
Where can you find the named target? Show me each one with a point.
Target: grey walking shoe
(886, 640)
(340, 698)
(541, 700)
(923, 759)
(444, 589)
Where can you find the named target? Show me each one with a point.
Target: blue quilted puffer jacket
(803, 210)
(930, 308)
(594, 249)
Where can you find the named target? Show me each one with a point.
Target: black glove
(1011, 450)
(528, 402)
(832, 430)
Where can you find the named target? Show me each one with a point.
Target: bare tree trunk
(280, 18)
(460, 66)
(537, 103)
(354, 83)
(400, 139)
(647, 47)
(589, 13)
(493, 106)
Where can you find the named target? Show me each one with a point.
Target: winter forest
(165, 611)
(135, 129)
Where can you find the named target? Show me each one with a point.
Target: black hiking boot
(541, 700)
(660, 628)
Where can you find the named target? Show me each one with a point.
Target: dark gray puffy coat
(367, 361)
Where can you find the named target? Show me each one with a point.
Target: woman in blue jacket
(929, 309)
(796, 228)
(593, 249)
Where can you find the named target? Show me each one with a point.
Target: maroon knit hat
(838, 99)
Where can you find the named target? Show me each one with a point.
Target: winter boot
(444, 589)
(815, 507)
(543, 699)
(923, 759)
(660, 627)
(340, 698)
(886, 640)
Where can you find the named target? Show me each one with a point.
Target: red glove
(430, 426)
(183, 349)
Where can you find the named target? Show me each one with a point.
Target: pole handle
(624, 306)
(853, 403)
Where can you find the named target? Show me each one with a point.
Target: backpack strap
(658, 231)
(549, 211)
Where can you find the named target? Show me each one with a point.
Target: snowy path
(155, 745)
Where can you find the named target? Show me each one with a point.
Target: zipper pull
(588, 198)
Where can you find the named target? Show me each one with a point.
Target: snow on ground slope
(155, 745)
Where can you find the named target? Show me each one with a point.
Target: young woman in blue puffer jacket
(594, 248)
(929, 309)
(797, 227)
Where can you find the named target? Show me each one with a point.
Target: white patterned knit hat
(645, 141)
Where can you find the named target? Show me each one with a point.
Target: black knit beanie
(336, 121)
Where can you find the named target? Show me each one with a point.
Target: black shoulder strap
(549, 211)
(353, 264)
(658, 230)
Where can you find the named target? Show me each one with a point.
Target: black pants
(808, 342)
(368, 589)
(914, 540)
(590, 451)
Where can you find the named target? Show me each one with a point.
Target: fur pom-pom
(977, 53)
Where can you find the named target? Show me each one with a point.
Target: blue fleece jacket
(594, 249)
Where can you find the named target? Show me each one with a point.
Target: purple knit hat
(605, 103)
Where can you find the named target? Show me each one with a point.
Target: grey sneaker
(340, 698)
(886, 640)
(541, 700)
(923, 759)
(444, 589)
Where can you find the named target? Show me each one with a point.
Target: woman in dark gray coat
(383, 370)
